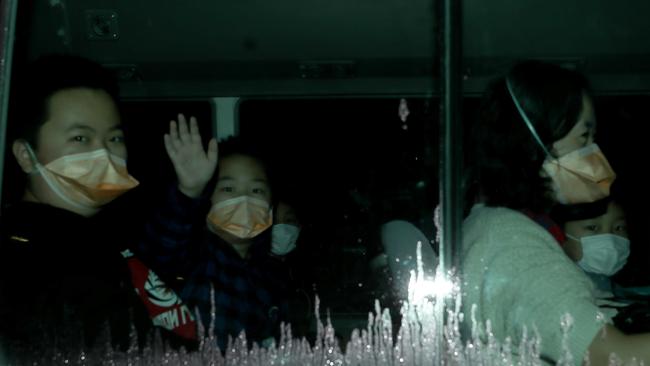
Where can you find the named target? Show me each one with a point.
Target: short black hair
(503, 155)
(237, 145)
(32, 86)
(47, 75)
(561, 214)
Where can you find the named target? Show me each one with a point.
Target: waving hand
(194, 166)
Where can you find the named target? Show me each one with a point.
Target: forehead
(241, 167)
(94, 108)
(614, 211)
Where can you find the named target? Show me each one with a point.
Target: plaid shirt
(249, 294)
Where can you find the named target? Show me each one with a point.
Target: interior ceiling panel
(251, 47)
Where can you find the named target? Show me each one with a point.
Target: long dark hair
(504, 156)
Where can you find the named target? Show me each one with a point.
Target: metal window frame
(7, 36)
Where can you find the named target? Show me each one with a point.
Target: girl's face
(612, 222)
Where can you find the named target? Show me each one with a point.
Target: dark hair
(507, 159)
(236, 145)
(32, 87)
(46, 76)
(561, 214)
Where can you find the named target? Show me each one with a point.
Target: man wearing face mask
(63, 279)
(212, 230)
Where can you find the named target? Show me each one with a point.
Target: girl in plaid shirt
(219, 241)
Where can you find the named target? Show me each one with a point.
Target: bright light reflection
(421, 289)
(427, 288)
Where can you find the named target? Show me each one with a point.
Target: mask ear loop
(52, 184)
(573, 237)
(37, 165)
(525, 118)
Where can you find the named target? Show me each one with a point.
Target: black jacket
(63, 280)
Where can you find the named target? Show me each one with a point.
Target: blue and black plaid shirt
(249, 294)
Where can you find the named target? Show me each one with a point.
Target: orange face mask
(581, 176)
(87, 180)
(244, 217)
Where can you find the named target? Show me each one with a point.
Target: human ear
(22, 155)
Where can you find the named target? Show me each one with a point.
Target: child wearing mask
(285, 231)
(212, 230)
(598, 242)
(285, 234)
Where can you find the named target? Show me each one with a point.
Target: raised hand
(194, 166)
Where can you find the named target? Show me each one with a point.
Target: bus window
(351, 166)
(346, 102)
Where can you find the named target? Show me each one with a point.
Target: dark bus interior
(319, 85)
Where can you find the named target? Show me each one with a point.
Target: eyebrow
(257, 180)
(79, 126)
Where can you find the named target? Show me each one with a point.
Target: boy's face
(241, 175)
(612, 222)
(78, 120)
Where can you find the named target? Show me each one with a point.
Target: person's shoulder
(504, 227)
(25, 212)
(18, 222)
(30, 222)
(498, 218)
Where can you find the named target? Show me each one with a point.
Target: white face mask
(603, 254)
(283, 238)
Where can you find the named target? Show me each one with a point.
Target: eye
(226, 189)
(260, 190)
(79, 138)
(592, 228)
(117, 139)
(621, 228)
